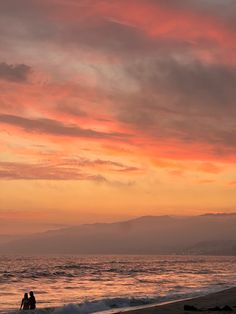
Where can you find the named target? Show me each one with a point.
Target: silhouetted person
(32, 301)
(25, 304)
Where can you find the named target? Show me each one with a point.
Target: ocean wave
(75, 266)
(35, 275)
(102, 305)
(137, 282)
(109, 304)
(94, 306)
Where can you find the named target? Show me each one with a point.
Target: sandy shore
(206, 304)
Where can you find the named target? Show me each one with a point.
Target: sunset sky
(113, 109)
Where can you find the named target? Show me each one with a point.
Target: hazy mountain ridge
(6, 238)
(205, 234)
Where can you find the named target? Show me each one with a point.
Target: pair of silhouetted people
(28, 303)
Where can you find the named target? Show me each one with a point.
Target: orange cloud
(197, 29)
(124, 90)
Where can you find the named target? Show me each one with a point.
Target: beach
(206, 303)
(103, 283)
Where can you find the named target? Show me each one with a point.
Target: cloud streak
(64, 171)
(14, 73)
(56, 128)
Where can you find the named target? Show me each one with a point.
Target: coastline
(226, 297)
(206, 303)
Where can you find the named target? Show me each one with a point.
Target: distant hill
(206, 234)
(5, 238)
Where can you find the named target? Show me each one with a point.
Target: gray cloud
(201, 83)
(15, 73)
(71, 109)
(42, 171)
(54, 127)
(113, 38)
(34, 22)
(107, 164)
(23, 171)
(182, 99)
(189, 101)
(216, 8)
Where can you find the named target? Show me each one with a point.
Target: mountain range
(211, 234)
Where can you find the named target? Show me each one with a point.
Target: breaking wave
(94, 306)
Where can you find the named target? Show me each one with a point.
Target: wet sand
(205, 304)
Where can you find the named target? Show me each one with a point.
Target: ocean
(99, 283)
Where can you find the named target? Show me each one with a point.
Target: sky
(113, 109)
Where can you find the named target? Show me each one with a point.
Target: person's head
(31, 293)
(26, 296)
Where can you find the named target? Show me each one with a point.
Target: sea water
(99, 283)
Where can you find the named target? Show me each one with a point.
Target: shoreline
(226, 297)
(140, 307)
(203, 302)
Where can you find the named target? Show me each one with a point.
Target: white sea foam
(84, 308)
(87, 307)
